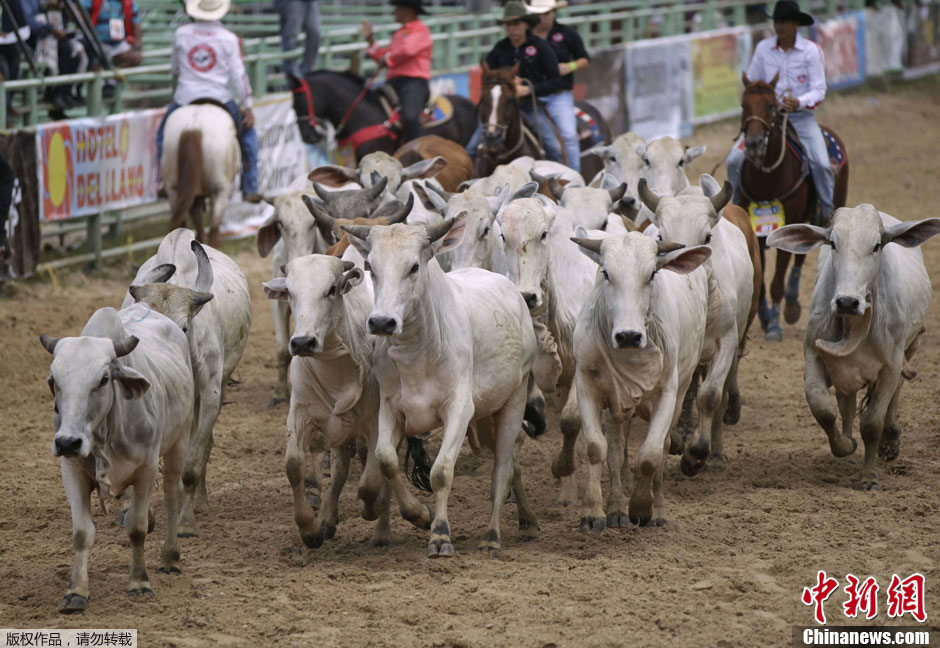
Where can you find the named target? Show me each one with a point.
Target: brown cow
(459, 165)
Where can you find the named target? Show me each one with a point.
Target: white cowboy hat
(207, 9)
(544, 6)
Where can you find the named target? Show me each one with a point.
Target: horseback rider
(207, 64)
(801, 86)
(407, 62)
(571, 54)
(538, 67)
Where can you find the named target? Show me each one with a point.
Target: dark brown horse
(772, 171)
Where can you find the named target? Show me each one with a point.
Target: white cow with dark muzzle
(452, 349)
(637, 343)
(869, 309)
(123, 395)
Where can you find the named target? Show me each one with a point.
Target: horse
(773, 171)
(324, 95)
(201, 159)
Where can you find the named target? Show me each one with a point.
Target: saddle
(438, 110)
(836, 153)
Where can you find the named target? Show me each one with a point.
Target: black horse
(324, 95)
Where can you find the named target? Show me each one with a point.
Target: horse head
(311, 130)
(759, 117)
(499, 108)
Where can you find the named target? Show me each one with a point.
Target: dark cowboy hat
(516, 10)
(411, 4)
(790, 10)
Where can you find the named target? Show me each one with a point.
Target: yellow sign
(766, 217)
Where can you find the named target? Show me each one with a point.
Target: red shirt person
(407, 60)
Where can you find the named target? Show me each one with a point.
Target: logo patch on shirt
(801, 78)
(202, 58)
(557, 37)
(530, 50)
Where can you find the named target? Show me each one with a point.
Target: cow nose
(531, 299)
(302, 346)
(628, 339)
(68, 446)
(380, 325)
(847, 304)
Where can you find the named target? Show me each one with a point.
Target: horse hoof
(73, 603)
(591, 524)
(791, 312)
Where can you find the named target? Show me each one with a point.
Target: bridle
(304, 88)
(768, 129)
(500, 130)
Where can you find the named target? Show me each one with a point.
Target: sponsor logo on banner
(842, 40)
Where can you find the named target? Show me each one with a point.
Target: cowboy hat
(544, 6)
(411, 4)
(207, 9)
(517, 10)
(790, 10)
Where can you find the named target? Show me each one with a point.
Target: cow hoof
(867, 485)
(691, 466)
(380, 542)
(618, 520)
(169, 569)
(312, 540)
(890, 444)
(73, 603)
(329, 530)
(145, 591)
(640, 512)
(274, 402)
(842, 446)
(528, 529)
(187, 534)
(658, 522)
(774, 333)
(440, 549)
(717, 462)
(791, 312)
(591, 524)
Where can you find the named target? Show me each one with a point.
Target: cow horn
(440, 191)
(376, 190)
(49, 342)
(125, 346)
(721, 198)
(348, 265)
(437, 231)
(556, 188)
(668, 246)
(594, 245)
(323, 194)
(375, 177)
(617, 192)
(359, 231)
(320, 215)
(402, 214)
(204, 275)
(649, 199)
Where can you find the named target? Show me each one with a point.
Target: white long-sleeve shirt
(802, 70)
(207, 60)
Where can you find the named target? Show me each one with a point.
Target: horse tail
(189, 173)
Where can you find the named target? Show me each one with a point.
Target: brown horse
(500, 113)
(772, 171)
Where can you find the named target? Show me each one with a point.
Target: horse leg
(773, 330)
(763, 311)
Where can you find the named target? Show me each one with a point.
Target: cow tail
(418, 464)
(189, 173)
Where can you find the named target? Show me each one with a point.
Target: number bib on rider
(766, 217)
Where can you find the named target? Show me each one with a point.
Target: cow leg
(508, 424)
(564, 463)
(709, 401)
(763, 310)
(382, 532)
(208, 405)
(659, 499)
(329, 511)
(139, 583)
(617, 467)
(733, 411)
(374, 489)
(890, 444)
(299, 427)
(528, 520)
(820, 404)
(792, 309)
(873, 420)
(78, 480)
(846, 404)
(685, 428)
(173, 466)
(315, 451)
(594, 518)
(281, 312)
(391, 431)
(456, 419)
(773, 331)
(650, 455)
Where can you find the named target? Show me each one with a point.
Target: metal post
(451, 45)
(259, 80)
(3, 106)
(93, 94)
(33, 100)
(114, 229)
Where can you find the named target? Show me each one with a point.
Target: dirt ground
(728, 570)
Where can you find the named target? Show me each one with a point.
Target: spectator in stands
(207, 63)
(22, 19)
(571, 55)
(118, 27)
(407, 60)
(538, 70)
(295, 13)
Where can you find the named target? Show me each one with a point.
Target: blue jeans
(295, 13)
(549, 141)
(804, 121)
(560, 107)
(247, 138)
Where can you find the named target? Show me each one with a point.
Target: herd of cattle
(418, 307)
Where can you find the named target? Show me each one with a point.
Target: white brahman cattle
(123, 395)
(665, 162)
(869, 309)
(637, 343)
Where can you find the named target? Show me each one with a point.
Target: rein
(357, 100)
(783, 139)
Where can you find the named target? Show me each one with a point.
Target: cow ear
(159, 274)
(911, 234)
(685, 260)
(692, 153)
(197, 300)
(276, 289)
(133, 384)
(799, 238)
(527, 190)
(348, 280)
(424, 169)
(333, 175)
(268, 235)
(454, 235)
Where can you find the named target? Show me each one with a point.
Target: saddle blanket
(439, 110)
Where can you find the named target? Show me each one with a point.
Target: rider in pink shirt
(407, 60)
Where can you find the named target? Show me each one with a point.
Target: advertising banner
(717, 62)
(884, 40)
(843, 43)
(922, 29)
(658, 87)
(602, 84)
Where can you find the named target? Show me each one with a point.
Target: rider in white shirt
(801, 86)
(207, 63)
